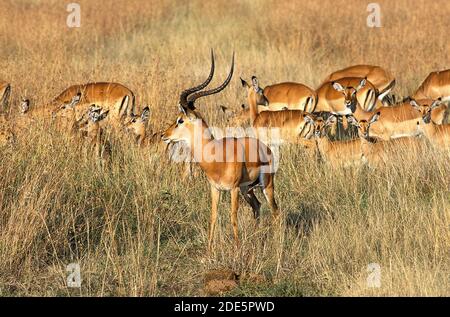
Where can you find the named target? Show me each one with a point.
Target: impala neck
(429, 129)
(253, 110)
(200, 138)
(361, 114)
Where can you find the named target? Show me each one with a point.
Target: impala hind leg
(215, 198)
(250, 198)
(234, 210)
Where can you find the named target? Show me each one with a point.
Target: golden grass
(139, 229)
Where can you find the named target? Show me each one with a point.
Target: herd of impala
(358, 96)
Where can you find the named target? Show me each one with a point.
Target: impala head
(363, 125)
(188, 119)
(236, 117)
(319, 124)
(425, 107)
(349, 92)
(137, 124)
(24, 105)
(67, 110)
(89, 124)
(255, 94)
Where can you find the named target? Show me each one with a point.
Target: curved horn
(184, 95)
(192, 98)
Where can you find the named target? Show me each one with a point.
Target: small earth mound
(220, 281)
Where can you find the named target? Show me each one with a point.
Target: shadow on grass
(305, 218)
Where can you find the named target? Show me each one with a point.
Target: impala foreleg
(215, 198)
(234, 211)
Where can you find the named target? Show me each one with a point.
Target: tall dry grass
(140, 229)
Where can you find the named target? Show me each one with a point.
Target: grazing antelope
(436, 85)
(396, 121)
(230, 164)
(5, 92)
(438, 135)
(378, 76)
(376, 152)
(335, 96)
(280, 96)
(109, 95)
(335, 153)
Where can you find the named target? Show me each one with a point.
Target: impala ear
(337, 87)
(362, 83)
(436, 103)
(307, 117)
(182, 109)
(145, 114)
(352, 120)
(244, 83)
(332, 119)
(25, 105)
(255, 83)
(414, 104)
(103, 115)
(375, 117)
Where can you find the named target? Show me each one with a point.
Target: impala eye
(180, 121)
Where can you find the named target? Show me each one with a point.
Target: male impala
(230, 164)
(280, 96)
(396, 121)
(5, 92)
(331, 99)
(436, 85)
(335, 153)
(378, 76)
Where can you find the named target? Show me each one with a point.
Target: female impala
(335, 153)
(436, 85)
(330, 99)
(438, 135)
(376, 152)
(396, 121)
(110, 96)
(95, 138)
(378, 76)
(280, 96)
(230, 164)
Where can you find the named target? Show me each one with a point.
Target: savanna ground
(139, 229)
